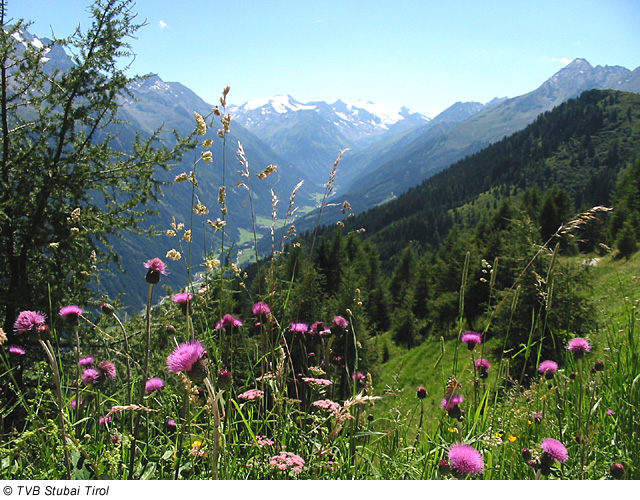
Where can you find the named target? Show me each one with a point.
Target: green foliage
(66, 186)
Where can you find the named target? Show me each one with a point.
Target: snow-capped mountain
(311, 135)
(359, 121)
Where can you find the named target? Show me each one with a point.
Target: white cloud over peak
(563, 60)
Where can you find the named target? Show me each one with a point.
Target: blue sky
(423, 54)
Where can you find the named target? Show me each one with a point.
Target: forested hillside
(474, 228)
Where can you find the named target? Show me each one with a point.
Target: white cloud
(162, 24)
(562, 60)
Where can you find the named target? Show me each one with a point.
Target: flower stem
(48, 349)
(143, 381)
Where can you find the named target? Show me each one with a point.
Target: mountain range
(390, 151)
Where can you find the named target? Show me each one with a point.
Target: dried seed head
(173, 254)
(207, 156)
(200, 124)
(217, 224)
(267, 172)
(200, 209)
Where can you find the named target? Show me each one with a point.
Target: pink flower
(16, 349)
(327, 404)
(299, 327)
(451, 401)
(90, 376)
(225, 379)
(465, 460)
(483, 366)
(105, 420)
(264, 441)
(86, 361)
(340, 321)
(548, 368)
(107, 369)
(359, 377)
(185, 356)
(553, 450)
(472, 339)
(228, 320)
(287, 459)
(422, 392)
(251, 394)
(260, 308)
(71, 313)
(155, 267)
(29, 321)
(184, 300)
(579, 347)
(153, 384)
(317, 381)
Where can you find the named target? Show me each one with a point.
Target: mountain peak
(579, 63)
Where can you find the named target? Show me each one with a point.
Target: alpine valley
(388, 152)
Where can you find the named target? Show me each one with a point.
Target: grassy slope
(616, 287)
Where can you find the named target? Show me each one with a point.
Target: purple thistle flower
(228, 320)
(153, 384)
(483, 366)
(260, 308)
(184, 300)
(465, 460)
(340, 321)
(579, 347)
(553, 450)
(359, 377)
(90, 376)
(185, 356)
(616, 470)
(422, 392)
(86, 361)
(16, 349)
(316, 327)
(472, 339)
(71, 313)
(537, 417)
(299, 327)
(107, 369)
(29, 321)
(451, 401)
(105, 420)
(548, 368)
(225, 379)
(155, 267)
(74, 403)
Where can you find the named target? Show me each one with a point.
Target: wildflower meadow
(203, 385)
(250, 371)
